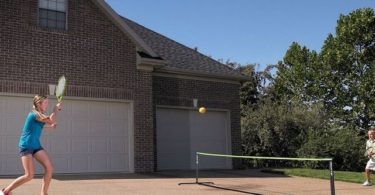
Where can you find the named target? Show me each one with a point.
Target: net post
(196, 167)
(331, 178)
(197, 173)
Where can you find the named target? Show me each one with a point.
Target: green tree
(348, 63)
(342, 144)
(297, 74)
(318, 104)
(249, 93)
(341, 75)
(275, 129)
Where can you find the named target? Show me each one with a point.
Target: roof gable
(182, 59)
(114, 17)
(167, 55)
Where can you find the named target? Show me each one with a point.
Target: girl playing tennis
(30, 146)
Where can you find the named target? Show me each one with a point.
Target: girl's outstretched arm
(53, 115)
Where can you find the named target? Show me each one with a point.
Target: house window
(52, 14)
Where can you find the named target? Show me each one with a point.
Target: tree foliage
(348, 61)
(343, 144)
(319, 103)
(249, 92)
(278, 129)
(341, 76)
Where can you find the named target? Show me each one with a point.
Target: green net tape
(265, 157)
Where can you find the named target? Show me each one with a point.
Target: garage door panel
(174, 133)
(99, 145)
(44, 141)
(118, 128)
(90, 137)
(219, 163)
(174, 161)
(172, 123)
(99, 163)
(99, 128)
(211, 138)
(79, 163)
(172, 139)
(61, 163)
(211, 124)
(66, 111)
(2, 125)
(210, 147)
(11, 145)
(181, 133)
(2, 163)
(207, 132)
(117, 145)
(2, 145)
(63, 128)
(16, 106)
(2, 107)
(211, 134)
(98, 111)
(13, 126)
(80, 127)
(80, 110)
(178, 146)
(59, 145)
(116, 111)
(116, 162)
(80, 145)
(12, 164)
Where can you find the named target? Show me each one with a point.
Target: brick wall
(144, 129)
(96, 57)
(180, 92)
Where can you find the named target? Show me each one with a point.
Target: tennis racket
(60, 88)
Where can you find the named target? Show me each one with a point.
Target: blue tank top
(32, 130)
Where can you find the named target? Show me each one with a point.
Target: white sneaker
(367, 183)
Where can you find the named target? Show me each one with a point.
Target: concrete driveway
(225, 182)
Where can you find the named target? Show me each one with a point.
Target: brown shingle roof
(181, 58)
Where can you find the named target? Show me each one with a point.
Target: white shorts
(371, 164)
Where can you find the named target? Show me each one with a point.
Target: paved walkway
(164, 183)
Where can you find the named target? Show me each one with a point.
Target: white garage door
(182, 132)
(92, 136)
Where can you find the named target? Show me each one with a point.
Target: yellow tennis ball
(202, 110)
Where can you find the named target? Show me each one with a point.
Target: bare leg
(367, 174)
(42, 157)
(28, 166)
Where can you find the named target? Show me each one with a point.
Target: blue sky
(244, 31)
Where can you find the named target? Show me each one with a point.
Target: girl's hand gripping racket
(60, 88)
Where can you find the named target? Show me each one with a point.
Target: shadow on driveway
(229, 189)
(169, 174)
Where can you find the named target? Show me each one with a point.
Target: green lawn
(347, 176)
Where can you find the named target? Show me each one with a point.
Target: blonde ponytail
(38, 99)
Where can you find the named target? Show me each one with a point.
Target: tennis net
(208, 155)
